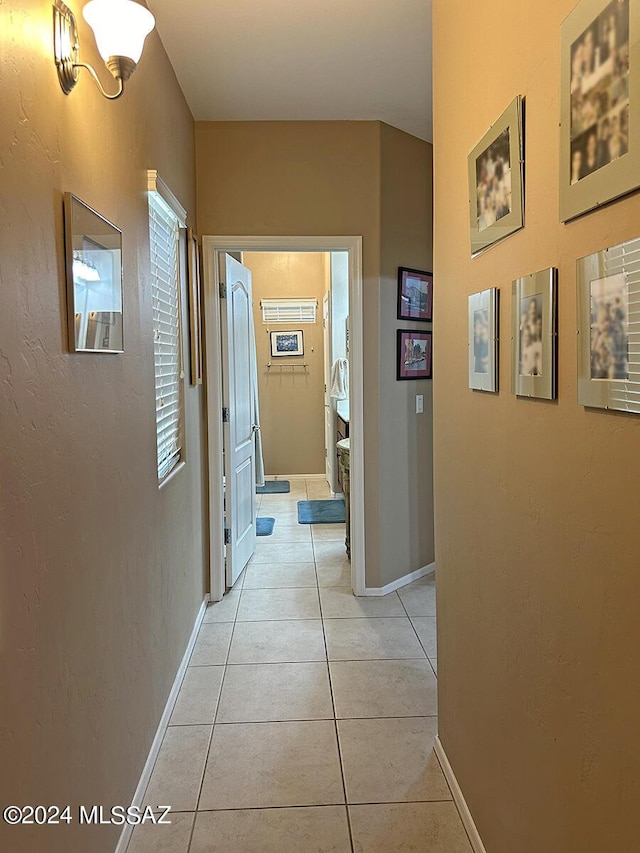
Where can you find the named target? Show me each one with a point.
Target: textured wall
(291, 401)
(536, 514)
(101, 573)
(324, 178)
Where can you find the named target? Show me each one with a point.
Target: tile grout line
(335, 724)
(215, 716)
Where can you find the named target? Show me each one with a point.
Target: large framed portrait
(93, 250)
(496, 198)
(415, 294)
(600, 123)
(483, 340)
(413, 354)
(609, 328)
(534, 327)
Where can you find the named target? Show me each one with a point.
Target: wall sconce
(120, 28)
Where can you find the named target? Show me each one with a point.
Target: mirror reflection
(94, 279)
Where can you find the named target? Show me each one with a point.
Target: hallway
(307, 717)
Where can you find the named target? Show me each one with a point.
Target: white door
(329, 423)
(239, 427)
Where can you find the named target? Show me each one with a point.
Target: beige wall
(406, 439)
(291, 401)
(536, 515)
(102, 573)
(324, 178)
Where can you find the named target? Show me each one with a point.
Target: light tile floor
(307, 717)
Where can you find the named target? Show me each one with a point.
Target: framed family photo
(287, 344)
(415, 294)
(496, 197)
(600, 122)
(609, 328)
(534, 325)
(414, 354)
(483, 340)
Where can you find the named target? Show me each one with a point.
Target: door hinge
(227, 536)
(223, 290)
(225, 415)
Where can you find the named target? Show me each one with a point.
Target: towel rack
(303, 365)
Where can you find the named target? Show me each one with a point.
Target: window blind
(165, 287)
(289, 310)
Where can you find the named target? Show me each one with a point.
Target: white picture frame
(287, 344)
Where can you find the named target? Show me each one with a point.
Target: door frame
(212, 248)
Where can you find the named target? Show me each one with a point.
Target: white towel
(340, 379)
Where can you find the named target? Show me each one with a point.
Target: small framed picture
(609, 328)
(414, 354)
(600, 122)
(496, 198)
(415, 294)
(483, 340)
(534, 326)
(287, 344)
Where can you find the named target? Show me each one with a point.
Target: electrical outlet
(419, 404)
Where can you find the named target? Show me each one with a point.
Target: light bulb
(120, 27)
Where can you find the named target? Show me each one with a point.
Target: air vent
(289, 310)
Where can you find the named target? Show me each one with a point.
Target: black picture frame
(415, 306)
(407, 355)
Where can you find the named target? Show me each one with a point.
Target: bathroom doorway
(301, 383)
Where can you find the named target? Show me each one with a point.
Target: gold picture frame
(483, 340)
(534, 335)
(608, 285)
(599, 122)
(496, 181)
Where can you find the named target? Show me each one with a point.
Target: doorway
(350, 249)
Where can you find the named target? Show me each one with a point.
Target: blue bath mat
(274, 487)
(321, 512)
(264, 526)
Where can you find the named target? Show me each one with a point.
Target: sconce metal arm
(104, 93)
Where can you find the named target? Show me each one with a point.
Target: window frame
(161, 199)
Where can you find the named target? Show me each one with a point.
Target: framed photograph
(195, 307)
(600, 123)
(414, 354)
(609, 328)
(483, 340)
(287, 344)
(93, 255)
(496, 198)
(534, 325)
(415, 294)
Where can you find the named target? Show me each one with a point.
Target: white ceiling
(261, 60)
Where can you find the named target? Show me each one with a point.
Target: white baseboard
(400, 582)
(459, 800)
(138, 797)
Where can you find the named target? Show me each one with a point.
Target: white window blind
(165, 287)
(289, 310)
